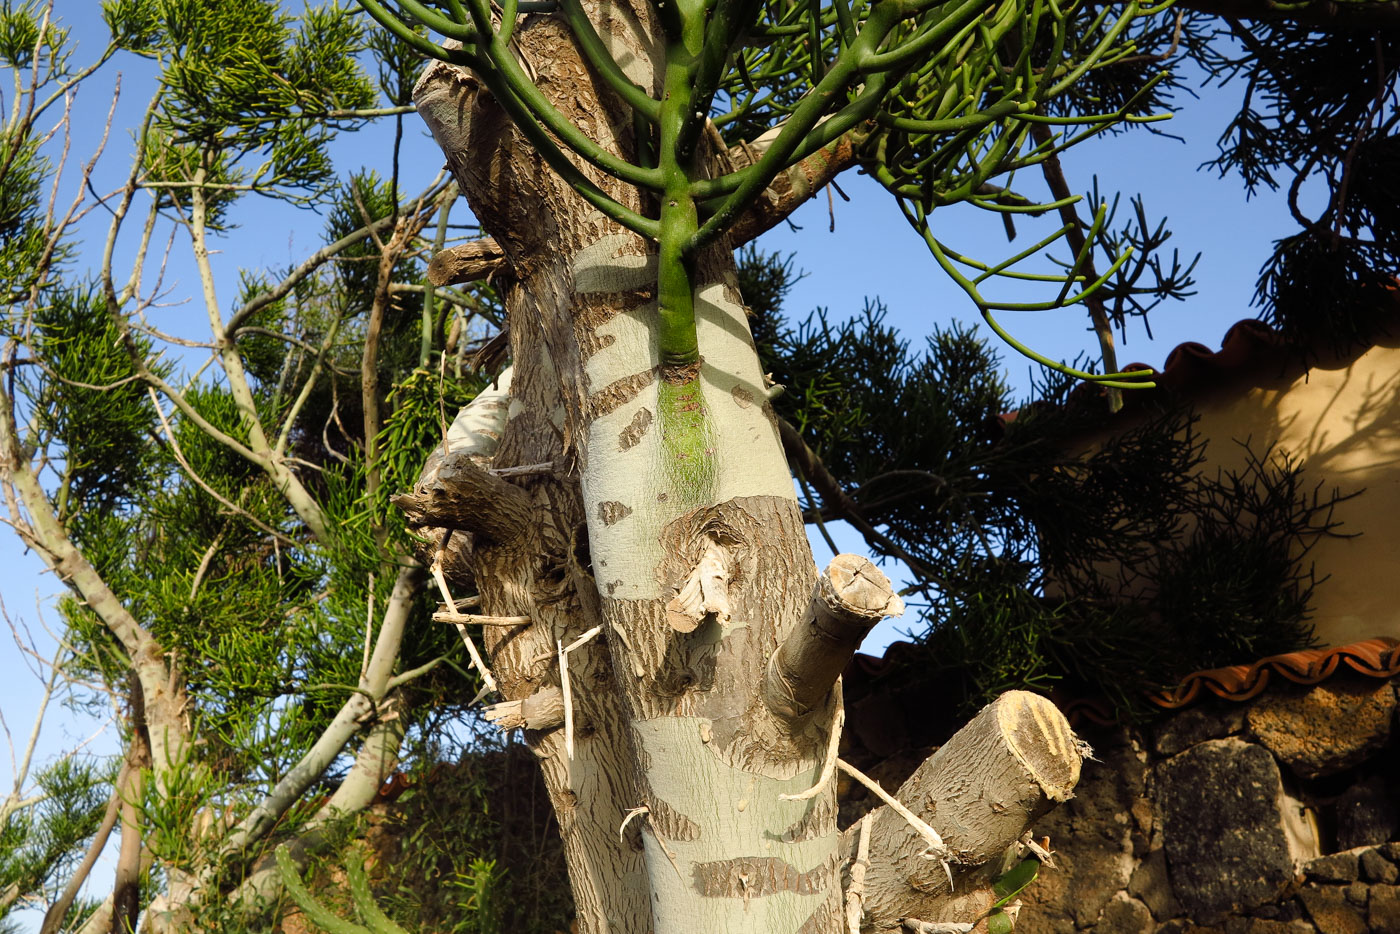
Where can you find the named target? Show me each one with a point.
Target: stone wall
(1279, 815)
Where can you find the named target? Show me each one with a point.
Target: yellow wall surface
(1341, 421)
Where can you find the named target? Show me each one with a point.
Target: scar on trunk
(705, 591)
(630, 436)
(758, 876)
(611, 511)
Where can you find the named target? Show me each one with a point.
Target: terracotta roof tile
(1378, 658)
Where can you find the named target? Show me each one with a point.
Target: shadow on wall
(1340, 421)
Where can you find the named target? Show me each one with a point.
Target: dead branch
(542, 710)
(476, 658)
(855, 892)
(467, 262)
(464, 496)
(126, 888)
(480, 619)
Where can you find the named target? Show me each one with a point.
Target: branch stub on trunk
(850, 597)
(464, 496)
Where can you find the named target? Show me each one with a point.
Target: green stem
(675, 286)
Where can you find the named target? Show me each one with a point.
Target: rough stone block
(1335, 867)
(1125, 915)
(1331, 912)
(1366, 815)
(1198, 724)
(1186, 926)
(1227, 828)
(1383, 912)
(1149, 883)
(1264, 926)
(1356, 893)
(1376, 868)
(1327, 728)
(1284, 911)
(1098, 821)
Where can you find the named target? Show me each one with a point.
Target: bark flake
(817, 821)
(671, 824)
(612, 512)
(619, 392)
(757, 877)
(636, 428)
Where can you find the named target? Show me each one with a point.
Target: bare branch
(16, 801)
(228, 504)
(53, 918)
(359, 706)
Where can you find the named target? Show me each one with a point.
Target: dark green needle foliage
(1036, 565)
(244, 79)
(1319, 119)
(40, 845)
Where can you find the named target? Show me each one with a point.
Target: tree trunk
(710, 691)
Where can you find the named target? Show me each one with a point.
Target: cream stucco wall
(1341, 420)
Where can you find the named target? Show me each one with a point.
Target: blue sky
(872, 253)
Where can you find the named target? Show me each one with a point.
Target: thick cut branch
(792, 187)
(980, 791)
(464, 496)
(467, 262)
(849, 598)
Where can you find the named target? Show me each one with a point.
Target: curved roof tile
(1378, 658)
